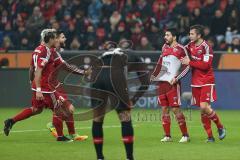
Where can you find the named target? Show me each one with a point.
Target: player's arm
(71, 68)
(184, 68)
(157, 69)
(184, 71)
(31, 73)
(39, 60)
(204, 64)
(38, 76)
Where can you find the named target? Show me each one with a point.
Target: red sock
(166, 122)
(207, 124)
(214, 117)
(182, 123)
(58, 124)
(70, 124)
(24, 114)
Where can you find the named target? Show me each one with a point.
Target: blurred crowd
(89, 23)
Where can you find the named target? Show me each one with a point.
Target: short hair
(59, 32)
(109, 45)
(199, 29)
(173, 31)
(48, 34)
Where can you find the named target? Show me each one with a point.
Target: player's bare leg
(24, 114)
(212, 115)
(64, 113)
(166, 124)
(127, 132)
(69, 120)
(182, 124)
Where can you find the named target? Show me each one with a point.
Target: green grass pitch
(30, 140)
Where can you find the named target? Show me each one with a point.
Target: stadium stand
(88, 23)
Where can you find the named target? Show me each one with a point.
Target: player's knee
(71, 109)
(36, 110)
(124, 116)
(165, 110)
(205, 107)
(176, 110)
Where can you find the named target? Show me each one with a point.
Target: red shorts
(169, 95)
(50, 100)
(62, 93)
(203, 94)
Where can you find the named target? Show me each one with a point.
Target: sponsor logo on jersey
(199, 52)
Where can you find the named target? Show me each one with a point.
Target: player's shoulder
(53, 52)
(206, 47)
(180, 46)
(41, 49)
(53, 49)
(205, 44)
(164, 46)
(190, 44)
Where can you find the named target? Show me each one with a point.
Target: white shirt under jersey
(169, 63)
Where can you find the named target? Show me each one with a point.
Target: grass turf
(30, 139)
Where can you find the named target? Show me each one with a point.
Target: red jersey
(60, 64)
(42, 57)
(169, 65)
(201, 63)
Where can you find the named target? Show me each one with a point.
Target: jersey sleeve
(72, 68)
(157, 68)
(183, 72)
(58, 60)
(184, 68)
(206, 62)
(40, 57)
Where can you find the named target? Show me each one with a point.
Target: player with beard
(57, 120)
(168, 73)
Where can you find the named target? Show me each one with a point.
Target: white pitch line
(39, 130)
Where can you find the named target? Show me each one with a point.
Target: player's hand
(152, 77)
(88, 71)
(173, 81)
(39, 96)
(185, 60)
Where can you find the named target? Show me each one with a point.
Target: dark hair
(199, 29)
(49, 35)
(109, 45)
(173, 31)
(59, 32)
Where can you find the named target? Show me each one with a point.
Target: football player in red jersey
(60, 64)
(203, 80)
(168, 73)
(44, 96)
